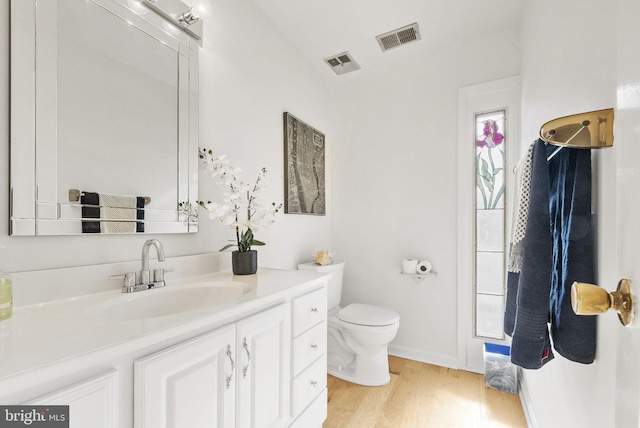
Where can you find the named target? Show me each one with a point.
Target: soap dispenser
(6, 296)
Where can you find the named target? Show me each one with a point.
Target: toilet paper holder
(418, 270)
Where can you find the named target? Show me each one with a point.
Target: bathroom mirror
(104, 99)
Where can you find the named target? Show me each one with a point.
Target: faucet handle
(129, 280)
(127, 277)
(158, 274)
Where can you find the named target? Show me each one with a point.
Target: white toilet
(358, 335)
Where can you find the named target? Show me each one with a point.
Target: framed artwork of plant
(304, 181)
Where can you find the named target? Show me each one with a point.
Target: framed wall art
(304, 181)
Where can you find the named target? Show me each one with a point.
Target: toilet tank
(334, 287)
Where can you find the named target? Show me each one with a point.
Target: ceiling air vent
(398, 37)
(342, 63)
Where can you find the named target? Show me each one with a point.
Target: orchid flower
(241, 199)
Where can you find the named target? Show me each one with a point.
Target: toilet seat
(368, 315)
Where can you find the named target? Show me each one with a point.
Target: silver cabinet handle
(233, 366)
(314, 383)
(314, 346)
(246, 348)
(314, 309)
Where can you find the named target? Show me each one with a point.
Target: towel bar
(74, 196)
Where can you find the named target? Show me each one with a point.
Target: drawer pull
(314, 309)
(314, 383)
(314, 346)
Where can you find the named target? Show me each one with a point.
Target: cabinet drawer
(309, 346)
(308, 384)
(309, 310)
(314, 415)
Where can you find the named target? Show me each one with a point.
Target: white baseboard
(529, 414)
(423, 357)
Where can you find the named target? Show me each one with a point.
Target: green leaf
(227, 247)
(256, 242)
(484, 167)
(482, 192)
(500, 193)
(488, 183)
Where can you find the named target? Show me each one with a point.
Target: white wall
(249, 75)
(395, 175)
(568, 66)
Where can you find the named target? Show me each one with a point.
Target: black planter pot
(244, 263)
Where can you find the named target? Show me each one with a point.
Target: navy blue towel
(557, 250)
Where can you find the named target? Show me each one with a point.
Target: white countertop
(43, 334)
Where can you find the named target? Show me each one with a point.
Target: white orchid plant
(242, 209)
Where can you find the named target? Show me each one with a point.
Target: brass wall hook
(589, 299)
(591, 130)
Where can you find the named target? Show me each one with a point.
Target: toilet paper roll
(409, 266)
(424, 266)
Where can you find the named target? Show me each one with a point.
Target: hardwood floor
(423, 396)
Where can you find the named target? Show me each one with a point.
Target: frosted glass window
(490, 168)
(490, 230)
(489, 310)
(490, 273)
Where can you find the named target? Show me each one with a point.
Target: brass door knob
(589, 299)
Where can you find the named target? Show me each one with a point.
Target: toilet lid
(358, 313)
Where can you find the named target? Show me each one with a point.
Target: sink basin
(167, 301)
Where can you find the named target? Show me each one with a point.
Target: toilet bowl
(358, 335)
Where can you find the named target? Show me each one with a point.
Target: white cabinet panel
(236, 376)
(264, 348)
(188, 385)
(309, 359)
(309, 310)
(92, 403)
(308, 384)
(309, 346)
(315, 414)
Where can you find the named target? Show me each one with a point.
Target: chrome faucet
(145, 275)
(145, 278)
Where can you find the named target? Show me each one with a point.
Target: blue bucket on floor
(499, 372)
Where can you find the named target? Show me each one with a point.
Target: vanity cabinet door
(264, 347)
(188, 385)
(92, 403)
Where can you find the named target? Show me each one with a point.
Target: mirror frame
(34, 208)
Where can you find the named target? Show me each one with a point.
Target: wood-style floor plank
(422, 395)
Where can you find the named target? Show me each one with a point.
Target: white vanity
(219, 350)
(207, 349)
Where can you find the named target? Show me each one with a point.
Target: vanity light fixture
(185, 17)
(189, 17)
